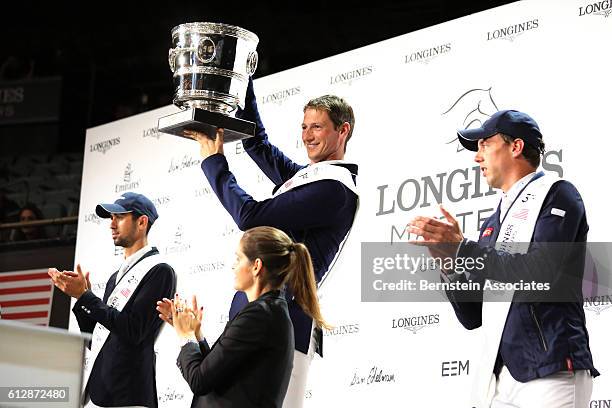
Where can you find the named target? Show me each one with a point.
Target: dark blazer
(540, 337)
(124, 372)
(318, 214)
(251, 362)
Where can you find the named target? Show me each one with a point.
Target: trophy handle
(252, 60)
(172, 58)
(206, 50)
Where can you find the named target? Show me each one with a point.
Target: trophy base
(207, 122)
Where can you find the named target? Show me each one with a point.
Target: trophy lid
(215, 28)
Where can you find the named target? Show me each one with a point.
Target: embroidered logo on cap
(487, 232)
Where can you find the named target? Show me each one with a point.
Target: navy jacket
(318, 214)
(250, 364)
(124, 372)
(539, 337)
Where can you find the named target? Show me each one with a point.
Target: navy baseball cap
(513, 123)
(127, 203)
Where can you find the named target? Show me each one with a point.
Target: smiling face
(495, 157)
(321, 139)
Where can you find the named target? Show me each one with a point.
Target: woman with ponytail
(250, 364)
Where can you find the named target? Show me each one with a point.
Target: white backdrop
(410, 94)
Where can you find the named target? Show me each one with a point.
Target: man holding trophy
(314, 204)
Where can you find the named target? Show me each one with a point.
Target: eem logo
(598, 304)
(105, 145)
(428, 54)
(510, 33)
(600, 8)
(455, 368)
(280, 97)
(416, 323)
(350, 76)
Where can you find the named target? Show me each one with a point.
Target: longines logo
(183, 163)
(151, 132)
(161, 201)
(350, 76)
(281, 96)
(598, 304)
(104, 145)
(206, 267)
(600, 404)
(415, 323)
(455, 368)
(118, 251)
(128, 180)
(375, 375)
(510, 33)
(92, 218)
(178, 245)
(342, 330)
(600, 8)
(428, 54)
(204, 192)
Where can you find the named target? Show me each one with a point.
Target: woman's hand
(187, 321)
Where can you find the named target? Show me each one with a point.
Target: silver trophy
(211, 65)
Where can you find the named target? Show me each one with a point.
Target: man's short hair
(531, 153)
(136, 216)
(338, 109)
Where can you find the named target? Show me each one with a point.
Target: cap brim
(105, 210)
(469, 137)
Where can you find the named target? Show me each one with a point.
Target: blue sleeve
(555, 241)
(271, 160)
(309, 206)
(140, 320)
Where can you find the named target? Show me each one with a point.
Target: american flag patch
(521, 214)
(487, 232)
(126, 292)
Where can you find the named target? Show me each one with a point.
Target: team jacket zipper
(537, 323)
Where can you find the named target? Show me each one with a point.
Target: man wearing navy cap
(120, 365)
(538, 349)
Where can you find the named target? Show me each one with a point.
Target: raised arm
(271, 160)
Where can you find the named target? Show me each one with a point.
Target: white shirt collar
(511, 195)
(131, 260)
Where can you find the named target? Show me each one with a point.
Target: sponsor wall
(410, 94)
